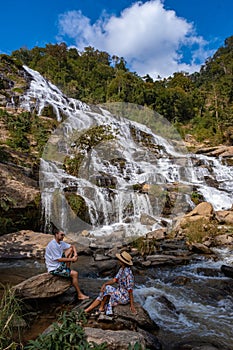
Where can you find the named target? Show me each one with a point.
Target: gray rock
(124, 328)
(42, 286)
(141, 319)
(115, 339)
(201, 248)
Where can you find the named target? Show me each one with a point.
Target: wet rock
(146, 219)
(200, 248)
(166, 302)
(174, 245)
(181, 280)
(106, 267)
(141, 319)
(101, 257)
(146, 263)
(208, 272)
(195, 345)
(227, 270)
(161, 259)
(152, 341)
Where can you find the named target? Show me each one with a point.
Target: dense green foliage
(28, 132)
(67, 333)
(199, 103)
(10, 320)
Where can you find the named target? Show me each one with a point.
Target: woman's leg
(116, 297)
(95, 303)
(103, 302)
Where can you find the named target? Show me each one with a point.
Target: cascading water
(132, 157)
(123, 181)
(199, 310)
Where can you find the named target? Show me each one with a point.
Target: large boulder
(204, 209)
(115, 339)
(24, 244)
(225, 216)
(203, 213)
(44, 285)
(29, 244)
(217, 151)
(227, 270)
(123, 329)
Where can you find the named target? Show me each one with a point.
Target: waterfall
(113, 171)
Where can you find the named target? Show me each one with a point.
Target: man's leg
(74, 276)
(68, 254)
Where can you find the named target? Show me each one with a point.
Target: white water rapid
(200, 309)
(134, 156)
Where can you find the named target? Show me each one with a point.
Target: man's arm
(71, 259)
(71, 255)
(74, 250)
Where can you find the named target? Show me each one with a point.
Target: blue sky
(158, 37)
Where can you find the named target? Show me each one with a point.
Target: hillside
(198, 105)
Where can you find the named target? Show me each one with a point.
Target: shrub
(66, 334)
(198, 231)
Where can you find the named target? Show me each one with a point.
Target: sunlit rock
(42, 286)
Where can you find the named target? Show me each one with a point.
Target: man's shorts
(62, 271)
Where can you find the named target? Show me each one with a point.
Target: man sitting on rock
(58, 258)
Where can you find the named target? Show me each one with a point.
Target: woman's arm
(112, 281)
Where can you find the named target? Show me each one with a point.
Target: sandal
(97, 313)
(106, 318)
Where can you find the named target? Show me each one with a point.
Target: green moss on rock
(83, 144)
(78, 205)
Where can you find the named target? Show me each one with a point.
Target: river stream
(190, 303)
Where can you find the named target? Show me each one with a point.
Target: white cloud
(150, 38)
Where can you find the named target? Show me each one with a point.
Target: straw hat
(125, 257)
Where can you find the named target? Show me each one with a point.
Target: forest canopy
(200, 104)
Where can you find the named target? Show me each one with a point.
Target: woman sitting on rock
(111, 296)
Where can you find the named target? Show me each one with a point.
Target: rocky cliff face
(19, 151)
